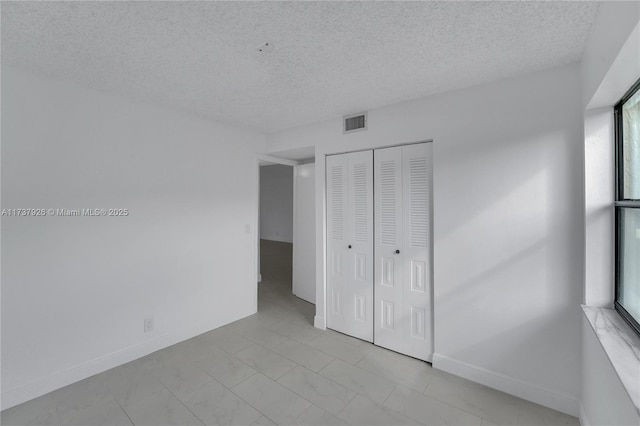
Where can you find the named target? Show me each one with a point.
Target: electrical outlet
(148, 324)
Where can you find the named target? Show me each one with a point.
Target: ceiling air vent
(355, 122)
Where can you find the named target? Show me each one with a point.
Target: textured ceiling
(327, 58)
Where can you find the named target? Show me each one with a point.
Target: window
(627, 206)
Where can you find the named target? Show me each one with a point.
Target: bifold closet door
(403, 198)
(350, 244)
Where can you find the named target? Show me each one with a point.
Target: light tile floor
(274, 367)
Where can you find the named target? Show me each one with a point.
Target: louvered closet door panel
(388, 240)
(350, 244)
(337, 232)
(402, 182)
(360, 255)
(417, 242)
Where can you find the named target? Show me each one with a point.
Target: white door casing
(350, 244)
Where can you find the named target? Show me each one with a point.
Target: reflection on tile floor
(276, 368)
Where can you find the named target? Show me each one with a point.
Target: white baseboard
(59, 379)
(534, 393)
(584, 420)
(319, 322)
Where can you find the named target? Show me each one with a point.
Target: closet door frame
(322, 311)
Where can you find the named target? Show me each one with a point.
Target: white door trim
(277, 160)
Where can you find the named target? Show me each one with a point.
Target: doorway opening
(286, 239)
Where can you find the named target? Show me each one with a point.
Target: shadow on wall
(508, 251)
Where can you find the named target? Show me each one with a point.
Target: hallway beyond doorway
(275, 291)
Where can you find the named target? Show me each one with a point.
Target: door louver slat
(361, 202)
(418, 202)
(337, 213)
(388, 202)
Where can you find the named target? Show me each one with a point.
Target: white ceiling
(328, 58)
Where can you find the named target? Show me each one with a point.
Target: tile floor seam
(270, 419)
(350, 399)
(55, 406)
(364, 356)
(294, 391)
(253, 341)
(250, 404)
(276, 354)
(204, 371)
(325, 377)
(327, 353)
(464, 410)
(392, 390)
(393, 409)
(122, 408)
(312, 349)
(242, 381)
(323, 368)
(262, 413)
(456, 407)
(183, 404)
(355, 391)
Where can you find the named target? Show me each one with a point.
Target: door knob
(397, 251)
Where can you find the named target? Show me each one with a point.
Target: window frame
(620, 202)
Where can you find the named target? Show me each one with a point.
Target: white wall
(75, 290)
(508, 209)
(276, 203)
(611, 64)
(599, 218)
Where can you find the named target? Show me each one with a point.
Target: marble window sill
(622, 346)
